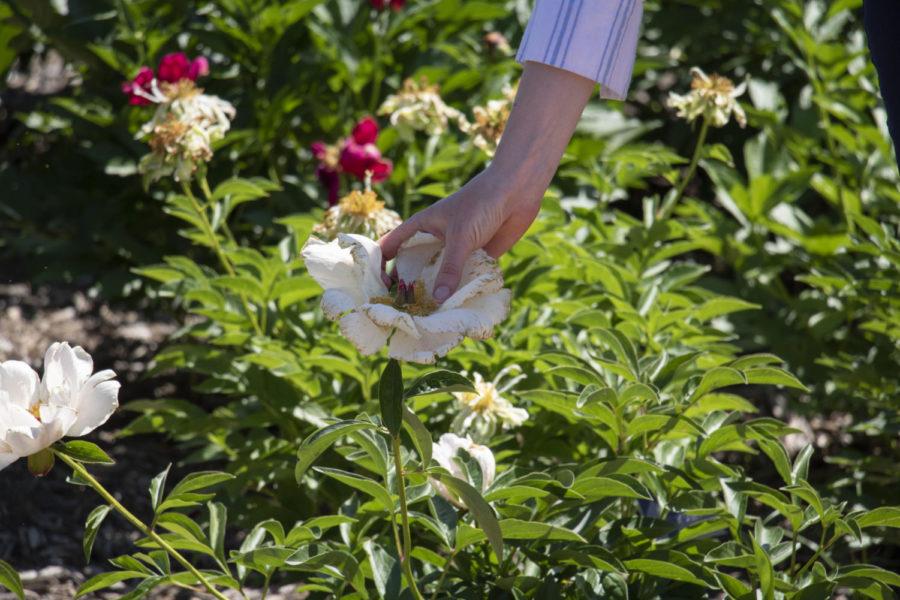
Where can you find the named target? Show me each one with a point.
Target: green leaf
(886, 516)
(718, 307)
(663, 570)
(439, 381)
(218, 519)
(612, 486)
(516, 529)
(717, 378)
(319, 441)
(390, 397)
(105, 580)
(85, 452)
(158, 486)
(363, 484)
(92, 527)
(779, 457)
(764, 571)
(800, 469)
(9, 579)
(773, 376)
(869, 572)
(484, 514)
(420, 435)
(199, 481)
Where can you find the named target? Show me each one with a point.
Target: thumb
(456, 253)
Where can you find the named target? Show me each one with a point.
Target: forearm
(545, 113)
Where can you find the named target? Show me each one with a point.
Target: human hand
(483, 214)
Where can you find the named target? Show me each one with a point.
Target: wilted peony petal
(425, 349)
(347, 263)
(336, 302)
(389, 317)
(365, 335)
(419, 251)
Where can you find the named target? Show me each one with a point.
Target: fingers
(456, 253)
(391, 242)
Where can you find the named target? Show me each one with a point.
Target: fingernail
(442, 293)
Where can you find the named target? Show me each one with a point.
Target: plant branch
(404, 517)
(78, 468)
(672, 202)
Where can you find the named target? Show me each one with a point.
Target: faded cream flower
(712, 97)
(446, 451)
(68, 401)
(489, 122)
(183, 129)
(417, 328)
(358, 212)
(484, 409)
(418, 106)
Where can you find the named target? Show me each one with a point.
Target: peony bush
(593, 416)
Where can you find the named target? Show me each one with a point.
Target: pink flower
(140, 82)
(383, 4)
(356, 159)
(175, 66)
(366, 131)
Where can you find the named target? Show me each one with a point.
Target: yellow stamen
(35, 410)
(361, 204)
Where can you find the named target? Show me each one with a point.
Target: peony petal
(19, 381)
(6, 459)
(97, 401)
(416, 253)
(480, 276)
(55, 420)
(367, 256)
(365, 335)
(476, 320)
(331, 265)
(336, 302)
(424, 350)
(391, 318)
(485, 459)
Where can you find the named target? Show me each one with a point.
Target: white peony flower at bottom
(417, 328)
(445, 453)
(68, 401)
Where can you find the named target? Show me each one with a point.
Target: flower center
(483, 400)
(361, 204)
(410, 298)
(35, 410)
(168, 135)
(716, 84)
(180, 90)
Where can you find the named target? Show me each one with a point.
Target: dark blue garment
(882, 19)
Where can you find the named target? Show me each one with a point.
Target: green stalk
(404, 517)
(670, 204)
(78, 468)
(217, 248)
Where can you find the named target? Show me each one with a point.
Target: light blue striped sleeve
(596, 39)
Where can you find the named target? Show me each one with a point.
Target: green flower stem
(78, 468)
(214, 240)
(207, 193)
(404, 516)
(670, 204)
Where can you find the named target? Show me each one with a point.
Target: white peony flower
(418, 328)
(713, 97)
(358, 212)
(69, 401)
(445, 453)
(418, 106)
(181, 133)
(483, 410)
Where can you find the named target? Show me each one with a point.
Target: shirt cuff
(596, 39)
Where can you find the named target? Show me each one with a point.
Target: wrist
(515, 187)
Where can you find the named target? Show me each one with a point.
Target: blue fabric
(882, 20)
